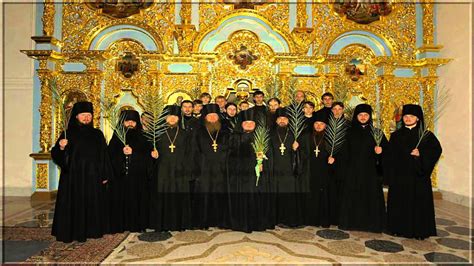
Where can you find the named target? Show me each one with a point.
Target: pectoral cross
(172, 147)
(214, 145)
(316, 151)
(282, 149)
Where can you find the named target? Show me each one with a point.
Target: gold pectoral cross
(282, 149)
(172, 147)
(214, 145)
(316, 151)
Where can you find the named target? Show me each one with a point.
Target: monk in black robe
(132, 164)
(81, 209)
(282, 171)
(410, 205)
(210, 151)
(315, 156)
(251, 208)
(362, 202)
(260, 110)
(170, 198)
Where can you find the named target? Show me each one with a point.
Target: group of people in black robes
(203, 172)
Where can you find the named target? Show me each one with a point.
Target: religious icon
(128, 64)
(177, 98)
(119, 8)
(243, 57)
(355, 69)
(362, 11)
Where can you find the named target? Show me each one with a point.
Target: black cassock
(362, 199)
(286, 200)
(129, 191)
(189, 122)
(211, 206)
(81, 206)
(170, 205)
(319, 194)
(251, 206)
(410, 206)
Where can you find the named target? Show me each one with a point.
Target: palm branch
(273, 87)
(442, 97)
(296, 118)
(260, 145)
(112, 114)
(377, 133)
(155, 117)
(58, 103)
(335, 134)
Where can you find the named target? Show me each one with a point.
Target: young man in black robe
(362, 200)
(336, 171)
(282, 171)
(81, 205)
(170, 198)
(188, 121)
(326, 99)
(316, 184)
(308, 110)
(410, 205)
(230, 116)
(210, 151)
(250, 208)
(259, 108)
(132, 165)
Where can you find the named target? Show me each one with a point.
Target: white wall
(18, 29)
(455, 126)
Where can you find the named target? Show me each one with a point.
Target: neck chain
(317, 150)
(172, 146)
(282, 143)
(214, 140)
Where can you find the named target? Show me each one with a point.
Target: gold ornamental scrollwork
(42, 175)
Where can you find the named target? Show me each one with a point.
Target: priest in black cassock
(81, 206)
(315, 157)
(132, 165)
(250, 208)
(362, 199)
(210, 151)
(410, 205)
(282, 171)
(170, 208)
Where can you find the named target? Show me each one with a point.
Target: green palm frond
(260, 145)
(296, 118)
(377, 133)
(112, 114)
(335, 134)
(59, 105)
(273, 87)
(155, 117)
(442, 97)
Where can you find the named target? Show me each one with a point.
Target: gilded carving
(42, 176)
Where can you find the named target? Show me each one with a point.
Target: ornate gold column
(48, 18)
(427, 7)
(45, 109)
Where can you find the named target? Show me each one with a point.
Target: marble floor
(282, 245)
